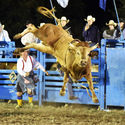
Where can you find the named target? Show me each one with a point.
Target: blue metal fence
(7, 61)
(108, 77)
(114, 72)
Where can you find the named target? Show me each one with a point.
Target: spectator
(64, 21)
(110, 33)
(4, 36)
(120, 35)
(26, 80)
(90, 31)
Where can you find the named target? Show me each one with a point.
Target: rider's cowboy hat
(90, 18)
(1, 25)
(111, 22)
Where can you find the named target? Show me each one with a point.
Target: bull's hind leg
(89, 80)
(63, 90)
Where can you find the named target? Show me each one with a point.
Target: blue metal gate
(7, 87)
(114, 72)
(52, 84)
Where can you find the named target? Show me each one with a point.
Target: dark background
(15, 13)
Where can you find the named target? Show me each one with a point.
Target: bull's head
(81, 54)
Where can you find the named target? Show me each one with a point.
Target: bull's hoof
(62, 92)
(95, 100)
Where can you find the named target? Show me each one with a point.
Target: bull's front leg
(63, 90)
(89, 80)
(18, 50)
(40, 47)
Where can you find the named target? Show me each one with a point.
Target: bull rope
(53, 12)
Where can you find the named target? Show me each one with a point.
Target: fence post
(40, 58)
(102, 74)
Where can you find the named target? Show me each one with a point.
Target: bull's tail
(47, 12)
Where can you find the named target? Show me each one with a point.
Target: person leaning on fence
(120, 35)
(4, 36)
(26, 79)
(110, 33)
(64, 21)
(91, 32)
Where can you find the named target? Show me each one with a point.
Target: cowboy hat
(111, 22)
(24, 50)
(63, 18)
(19, 51)
(1, 25)
(90, 18)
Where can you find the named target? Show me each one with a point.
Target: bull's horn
(94, 47)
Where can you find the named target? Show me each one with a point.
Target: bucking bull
(73, 55)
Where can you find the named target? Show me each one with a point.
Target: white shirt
(4, 36)
(28, 65)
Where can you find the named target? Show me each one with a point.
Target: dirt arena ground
(59, 114)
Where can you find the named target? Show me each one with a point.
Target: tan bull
(73, 55)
